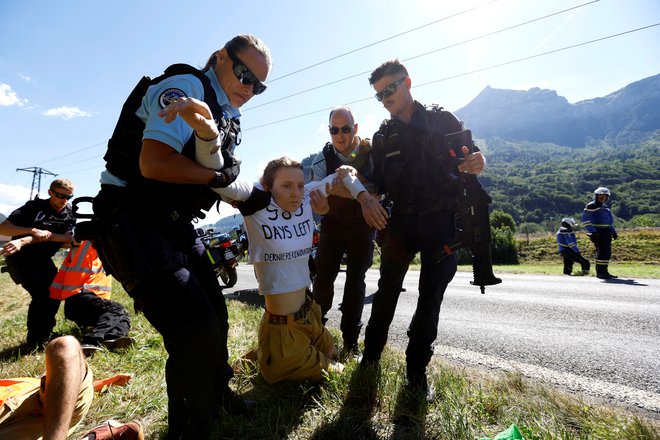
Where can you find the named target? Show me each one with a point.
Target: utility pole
(36, 178)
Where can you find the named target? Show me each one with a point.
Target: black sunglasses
(389, 90)
(345, 129)
(62, 196)
(245, 75)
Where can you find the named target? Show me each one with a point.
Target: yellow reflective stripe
(210, 257)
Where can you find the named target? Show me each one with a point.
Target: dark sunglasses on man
(245, 75)
(60, 195)
(346, 129)
(389, 90)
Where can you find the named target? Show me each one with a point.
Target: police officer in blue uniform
(414, 166)
(568, 248)
(343, 228)
(151, 190)
(599, 223)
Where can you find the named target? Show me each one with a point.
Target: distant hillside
(228, 224)
(541, 183)
(537, 115)
(546, 156)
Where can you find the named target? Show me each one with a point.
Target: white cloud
(67, 112)
(8, 97)
(25, 78)
(12, 196)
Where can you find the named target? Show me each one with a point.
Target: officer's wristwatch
(218, 181)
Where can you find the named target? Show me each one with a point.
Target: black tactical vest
(414, 161)
(341, 208)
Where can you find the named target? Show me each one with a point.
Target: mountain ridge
(541, 115)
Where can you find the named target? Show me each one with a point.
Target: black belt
(286, 319)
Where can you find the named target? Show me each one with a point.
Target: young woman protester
(293, 343)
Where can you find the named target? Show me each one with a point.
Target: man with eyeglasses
(38, 230)
(151, 190)
(343, 228)
(415, 167)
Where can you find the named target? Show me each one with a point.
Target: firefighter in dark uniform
(151, 190)
(39, 229)
(599, 223)
(414, 166)
(343, 228)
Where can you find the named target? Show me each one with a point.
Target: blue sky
(67, 67)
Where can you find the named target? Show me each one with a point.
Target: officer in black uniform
(39, 229)
(151, 190)
(415, 167)
(343, 228)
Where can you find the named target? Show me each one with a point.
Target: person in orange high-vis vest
(86, 289)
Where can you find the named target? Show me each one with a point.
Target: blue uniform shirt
(176, 133)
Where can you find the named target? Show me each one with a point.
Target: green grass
(634, 246)
(357, 404)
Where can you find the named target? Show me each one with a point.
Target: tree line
(538, 184)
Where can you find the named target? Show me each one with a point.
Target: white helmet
(602, 190)
(570, 221)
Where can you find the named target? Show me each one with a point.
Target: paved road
(579, 333)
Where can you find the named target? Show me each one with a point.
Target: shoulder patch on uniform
(169, 95)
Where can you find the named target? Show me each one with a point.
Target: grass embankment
(470, 403)
(636, 254)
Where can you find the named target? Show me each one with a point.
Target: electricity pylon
(36, 178)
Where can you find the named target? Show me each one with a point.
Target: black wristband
(218, 181)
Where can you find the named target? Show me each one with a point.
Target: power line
(99, 167)
(78, 161)
(417, 56)
(73, 152)
(506, 63)
(549, 52)
(323, 62)
(489, 34)
(383, 40)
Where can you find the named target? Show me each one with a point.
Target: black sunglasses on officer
(389, 90)
(245, 75)
(60, 195)
(346, 129)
